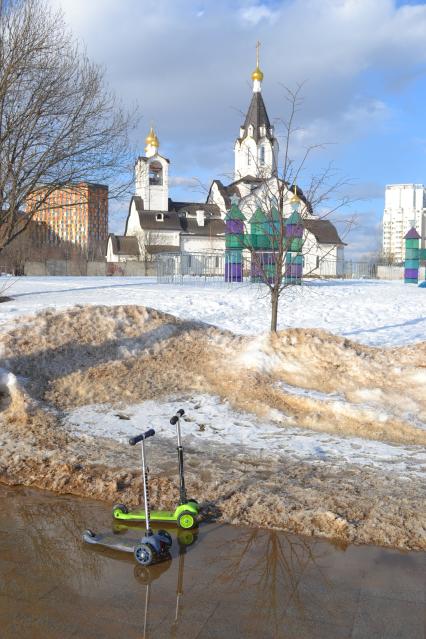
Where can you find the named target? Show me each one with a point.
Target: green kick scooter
(185, 515)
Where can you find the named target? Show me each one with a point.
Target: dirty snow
(373, 312)
(209, 421)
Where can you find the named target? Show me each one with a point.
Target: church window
(248, 157)
(155, 174)
(262, 155)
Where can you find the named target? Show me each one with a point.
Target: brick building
(76, 214)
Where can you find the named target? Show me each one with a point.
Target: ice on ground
(374, 312)
(209, 421)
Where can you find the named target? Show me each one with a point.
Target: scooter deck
(155, 515)
(110, 540)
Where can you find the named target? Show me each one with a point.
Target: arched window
(248, 157)
(155, 173)
(262, 155)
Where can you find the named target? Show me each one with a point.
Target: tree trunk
(274, 310)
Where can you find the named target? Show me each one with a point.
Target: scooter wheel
(118, 510)
(186, 520)
(144, 554)
(167, 536)
(89, 533)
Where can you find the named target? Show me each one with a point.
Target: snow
(373, 312)
(209, 421)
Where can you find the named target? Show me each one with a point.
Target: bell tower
(152, 176)
(256, 148)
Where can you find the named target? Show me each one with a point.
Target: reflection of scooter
(147, 576)
(153, 547)
(186, 512)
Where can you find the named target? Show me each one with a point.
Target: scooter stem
(182, 489)
(145, 491)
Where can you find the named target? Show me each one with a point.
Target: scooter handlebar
(138, 438)
(179, 413)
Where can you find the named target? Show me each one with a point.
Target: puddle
(223, 582)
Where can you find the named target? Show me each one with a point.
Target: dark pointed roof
(412, 234)
(124, 244)
(257, 117)
(324, 231)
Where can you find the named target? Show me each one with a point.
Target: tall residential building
(405, 206)
(77, 214)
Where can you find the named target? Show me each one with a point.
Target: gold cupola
(257, 73)
(295, 199)
(151, 140)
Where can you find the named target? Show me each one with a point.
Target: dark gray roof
(192, 207)
(213, 227)
(324, 231)
(257, 117)
(124, 245)
(162, 248)
(172, 221)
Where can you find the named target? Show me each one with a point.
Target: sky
(187, 64)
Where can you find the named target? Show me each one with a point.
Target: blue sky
(187, 64)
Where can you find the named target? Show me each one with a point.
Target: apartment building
(76, 214)
(405, 206)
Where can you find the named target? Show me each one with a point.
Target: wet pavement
(225, 582)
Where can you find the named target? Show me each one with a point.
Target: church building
(162, 225)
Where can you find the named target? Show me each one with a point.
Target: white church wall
(155, 196)
(167, 238)
(133, 223)
(245, 158)
(194, 244)
(215, 197)
(110, 257)
(322, 259)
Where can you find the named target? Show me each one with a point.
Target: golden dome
(151, 139)
(257, 75)
(295, 199)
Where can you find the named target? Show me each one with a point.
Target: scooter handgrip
(138, 438)
(175, 417)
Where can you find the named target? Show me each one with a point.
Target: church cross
(257, 53)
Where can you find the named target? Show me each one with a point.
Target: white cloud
(256, 13)
(192, 76)
(182, 181)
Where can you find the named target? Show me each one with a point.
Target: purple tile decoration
(294, 270)
(411, 273)
(234, 226)
(266, 258)
(233, 272)
(294, 230)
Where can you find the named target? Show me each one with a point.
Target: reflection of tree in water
(51, 528)
(271, 566)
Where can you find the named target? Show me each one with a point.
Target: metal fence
(193, 268)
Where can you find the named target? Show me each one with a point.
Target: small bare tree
(275, 198)
(60, 125)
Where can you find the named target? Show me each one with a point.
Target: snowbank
(374, 312)
(303, 430)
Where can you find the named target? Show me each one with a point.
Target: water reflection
(224, 580)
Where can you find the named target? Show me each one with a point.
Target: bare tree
(277, 261)
(60, 125)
